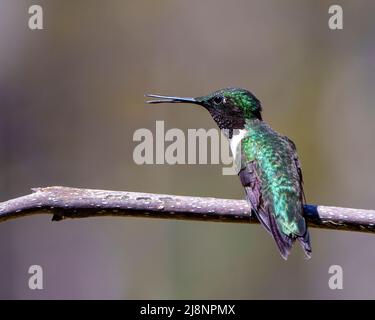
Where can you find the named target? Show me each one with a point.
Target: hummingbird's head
(230, 107)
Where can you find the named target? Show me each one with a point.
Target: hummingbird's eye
(218, 99)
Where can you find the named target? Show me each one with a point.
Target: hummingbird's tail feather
(261, 208)
(306, 244)
(283, 242)
(268, 221)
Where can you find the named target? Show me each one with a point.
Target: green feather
(281, 187)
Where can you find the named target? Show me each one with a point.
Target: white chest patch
(235, 142)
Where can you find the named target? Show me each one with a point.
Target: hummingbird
(269, 170)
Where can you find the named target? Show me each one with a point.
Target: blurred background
(71, 97)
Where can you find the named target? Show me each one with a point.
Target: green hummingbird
(269, 169)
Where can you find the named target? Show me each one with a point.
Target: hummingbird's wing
(272, 177)
(252, 184)
(298, 167)
(304, 239)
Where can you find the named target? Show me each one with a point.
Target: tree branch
(65, 202)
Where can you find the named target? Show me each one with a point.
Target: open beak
(167, 99)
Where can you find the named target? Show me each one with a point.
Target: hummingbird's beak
(167, 99)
